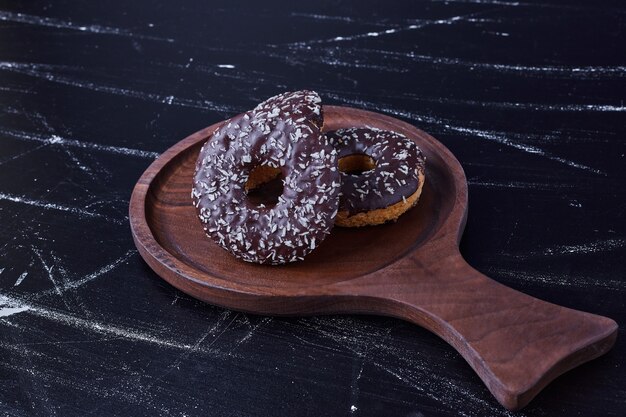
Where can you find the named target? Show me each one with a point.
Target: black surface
(528, 95)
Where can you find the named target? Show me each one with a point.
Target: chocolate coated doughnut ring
(281, 136)
(382, 174)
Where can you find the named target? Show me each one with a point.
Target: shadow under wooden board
(410, 269)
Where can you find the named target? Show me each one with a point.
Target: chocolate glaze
(282, 132)
(395, 177)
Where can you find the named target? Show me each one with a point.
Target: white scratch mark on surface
(71, 285)
(222, 318)
(611, 108)
(21, 154)
(195, 347)
(398, 376)
(555, 70)
(443, 390)
(20, 278)
(59, 141)
(229, 66)
(584, 248)
(418, 373)
(105, 269)
(79, 164)
(322, 17)
(556, 107)
(50, 130)
(489, 135)
(520, 185)
(43, 71)
(384, 32)
(96, 326)
(522, 147)
(488, 32)
(592, 247)
(176, 298)
(41, 119)
(48, 378)
(66, 24)
(53, 206)
(620, 71)
(494, 2)
(355, 64)
(563, 280)
(17, 90)
(8, 311)
(9, 307)
(51, 277)
(249, 335)
(354, 384)
(540, 4)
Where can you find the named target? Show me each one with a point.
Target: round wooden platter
(410, 269)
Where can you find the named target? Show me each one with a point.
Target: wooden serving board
(411, 269)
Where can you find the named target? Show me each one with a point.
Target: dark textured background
(528, 95)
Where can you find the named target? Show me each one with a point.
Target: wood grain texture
(410, 269)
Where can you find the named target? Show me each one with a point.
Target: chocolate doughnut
(281, 136)
(382, 174)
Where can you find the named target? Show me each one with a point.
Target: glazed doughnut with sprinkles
(281, 137)
(382, 174)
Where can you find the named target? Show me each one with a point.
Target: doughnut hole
(356, 164)
(264, 185)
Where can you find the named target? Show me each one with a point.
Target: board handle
(516, 343)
